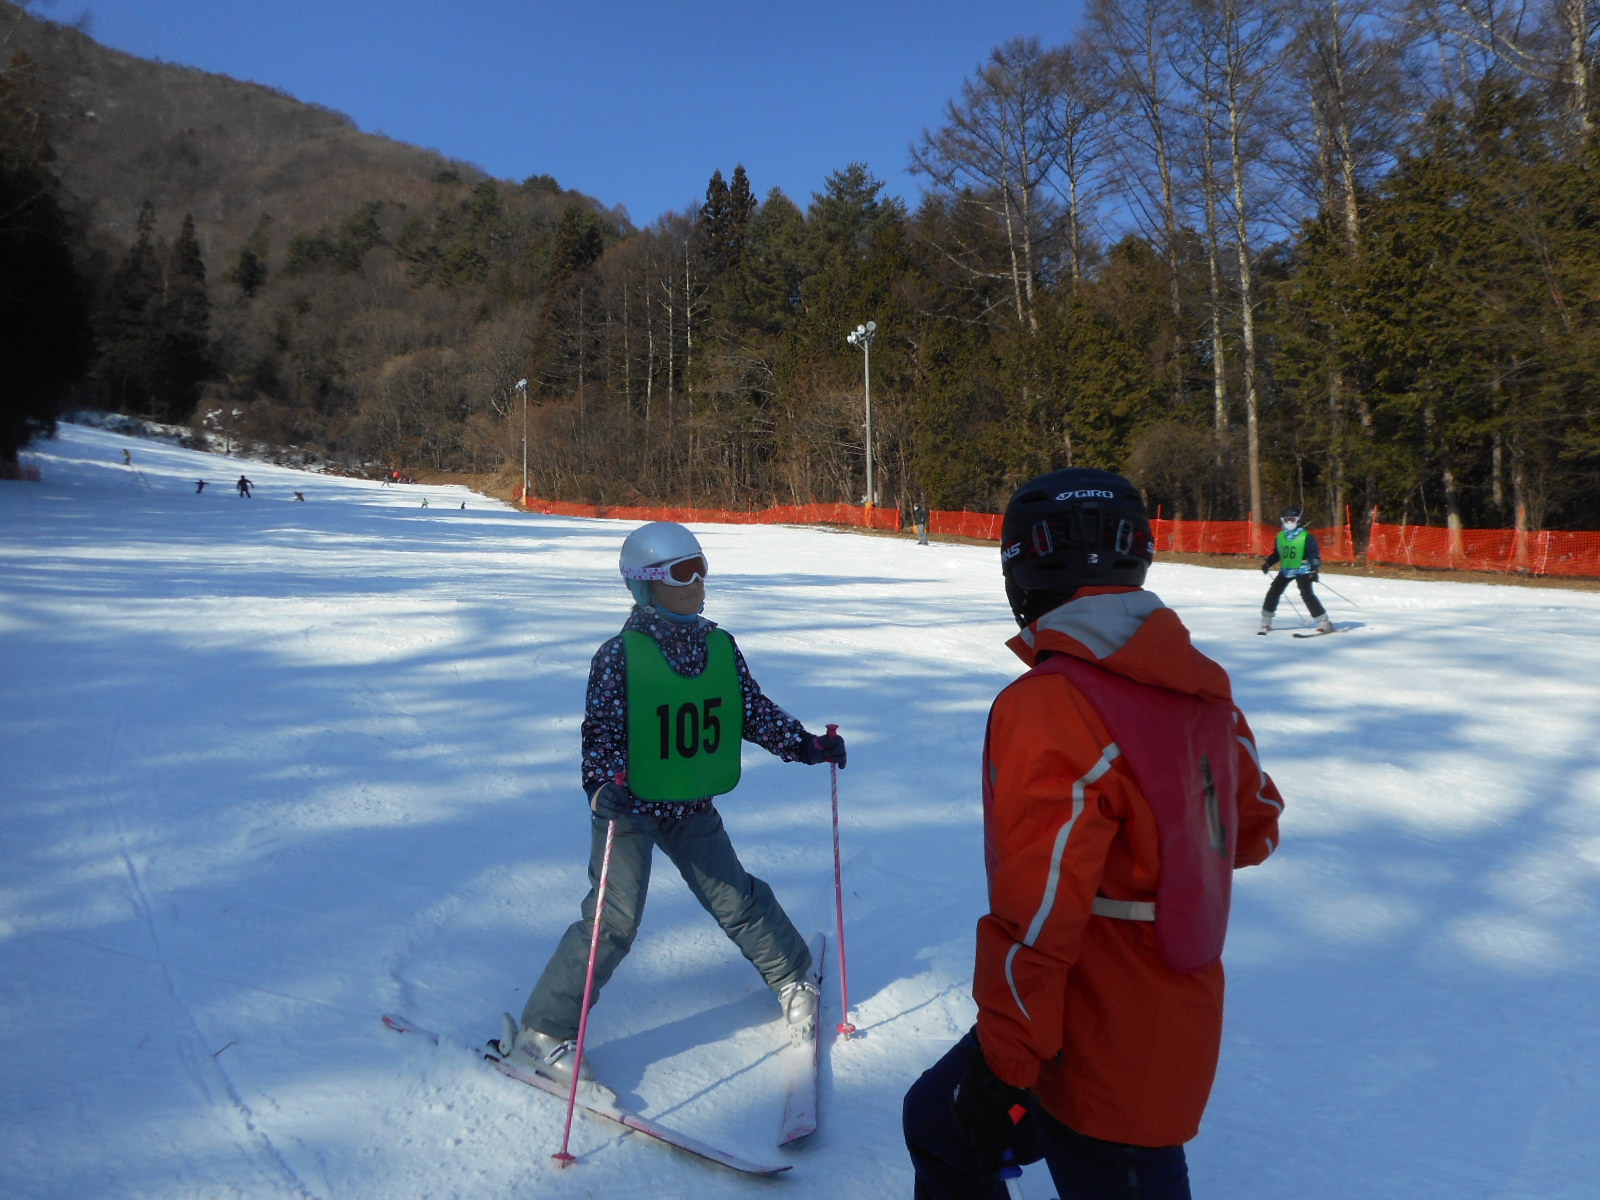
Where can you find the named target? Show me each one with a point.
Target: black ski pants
(1276, 589)
(1083, 1168)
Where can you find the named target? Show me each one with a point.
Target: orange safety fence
(985, 526)
(1505, 551)
(1337, 543)
(1500, 551)
(1172, 537)
(1210, 537)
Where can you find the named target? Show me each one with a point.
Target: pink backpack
(1184, 755)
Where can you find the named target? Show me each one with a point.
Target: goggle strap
(1083, 529)
(663, 572)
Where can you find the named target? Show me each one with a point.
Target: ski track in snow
(272, 769)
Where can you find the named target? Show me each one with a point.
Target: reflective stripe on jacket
(1081, 1008)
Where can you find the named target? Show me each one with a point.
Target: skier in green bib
(1299, 558)
(670, 701)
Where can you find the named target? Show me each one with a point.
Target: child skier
(669, 700)
(1299, 558)
(1121, 789)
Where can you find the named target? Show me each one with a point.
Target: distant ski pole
(563, 1156)
(838, 898)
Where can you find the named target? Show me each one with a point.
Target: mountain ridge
(128, 129)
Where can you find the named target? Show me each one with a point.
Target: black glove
(611, 800)
(1313, 577)
(1266, 568)
(984, 1105)
(821, 748)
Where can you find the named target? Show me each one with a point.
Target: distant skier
(424, 502)
(1299, 558)
(919, 518)
(670, 701)
(299, 495)
(244, 487)
(199, 486)
(127, 458)
(1120, 790)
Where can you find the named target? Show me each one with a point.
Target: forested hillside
(1249, 252)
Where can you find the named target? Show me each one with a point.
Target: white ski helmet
(651, 545)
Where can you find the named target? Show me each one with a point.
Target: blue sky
(634, 103)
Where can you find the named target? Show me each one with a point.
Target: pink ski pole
(838, 896)
(562, 1156)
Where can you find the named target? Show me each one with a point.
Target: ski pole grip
(833, 731)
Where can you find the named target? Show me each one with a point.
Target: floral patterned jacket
(605, 717)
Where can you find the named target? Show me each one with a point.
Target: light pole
(862, 336)
(522, 386)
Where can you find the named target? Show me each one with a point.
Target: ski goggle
(680, 572)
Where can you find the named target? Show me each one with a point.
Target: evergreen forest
(1343, 254)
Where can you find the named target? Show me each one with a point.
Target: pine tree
(724, 228)
(715, 227)
(472, 251)
(857, 266)
(774, 264)
(741, 210)
(576, 246)
(567, 329)
(847, 213)
(362, 231)
(129, 327)
(156, 325)
(44, 311)
(185, 322)
(249, 271)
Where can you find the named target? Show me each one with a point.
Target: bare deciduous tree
(1133, 40)
(1551, 41)
(997, 150)
(1236, 46)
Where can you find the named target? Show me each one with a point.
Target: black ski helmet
(1291, 514)
(1073, 528)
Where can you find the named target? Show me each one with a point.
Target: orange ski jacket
(1075, 999)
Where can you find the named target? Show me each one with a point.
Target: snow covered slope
(271, 768)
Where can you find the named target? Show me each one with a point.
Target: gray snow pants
(699, 847)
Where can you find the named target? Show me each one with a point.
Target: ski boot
(800, 1000)
(546, 1055)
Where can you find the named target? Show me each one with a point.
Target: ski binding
(595, 1106)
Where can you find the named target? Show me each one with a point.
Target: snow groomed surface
(269, 768)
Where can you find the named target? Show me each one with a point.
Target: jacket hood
(1129, 631)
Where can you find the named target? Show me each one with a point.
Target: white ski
(606, 1110)
(800, 1065)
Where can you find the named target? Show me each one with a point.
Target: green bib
(683, 732)
(1291, 549)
